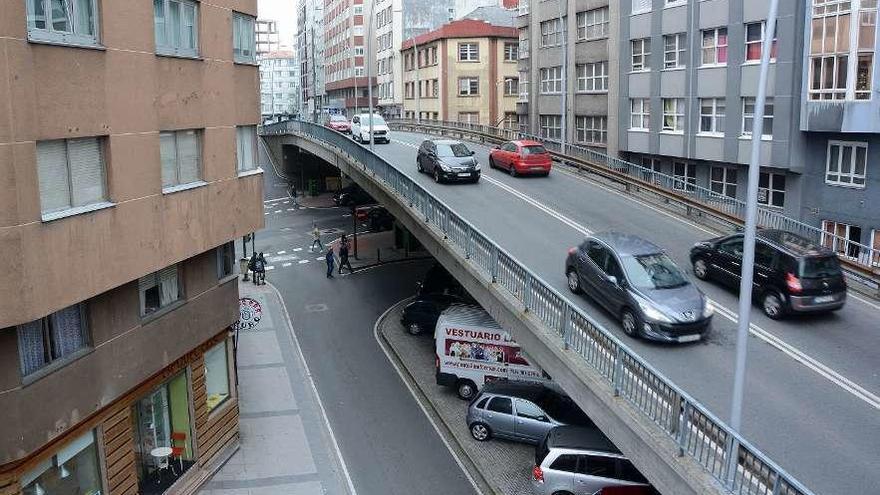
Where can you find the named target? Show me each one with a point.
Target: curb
(485, 487)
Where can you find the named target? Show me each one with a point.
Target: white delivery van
(361, 127)
(472, 349)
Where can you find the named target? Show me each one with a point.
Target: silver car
(638, 283)
(582, 461)
(520, 411)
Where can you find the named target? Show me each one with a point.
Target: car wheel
(480, 432)
(772, 305)
(561, 493)
(414, 328)
(701, 269)
(466, 389)
(475, 180)
(630, 323)
(513, 170)
(419, 166)
(574, 283)
(491, 163)
(436, 176)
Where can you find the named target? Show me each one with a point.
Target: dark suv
(791, 273)
(438, 291)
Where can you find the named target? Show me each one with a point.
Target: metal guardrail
(740, 467)
(860, 255)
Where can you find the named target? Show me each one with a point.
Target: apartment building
(310, 50)
(267, 36)
(465, 71)
(128, 157)
(280, 91)
(345, 56)
(569, 81)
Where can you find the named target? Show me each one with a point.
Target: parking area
(504, 465)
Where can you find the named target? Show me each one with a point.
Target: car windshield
(456, 149)
(653, 271)
(377, 120)
(533, 150)
(564, 410)
(338, 118)
(826, 266)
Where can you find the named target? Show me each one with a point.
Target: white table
(161, 455)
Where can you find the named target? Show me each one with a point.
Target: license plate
(689, 338)
(823, 299)
(464, 174)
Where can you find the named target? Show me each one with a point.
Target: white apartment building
(280, 92)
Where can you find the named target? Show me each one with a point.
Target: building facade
(567, 48)
(280, 91)
(267, 37)
(129, 149)
(310, 49)
(464, 71)
(346, 55)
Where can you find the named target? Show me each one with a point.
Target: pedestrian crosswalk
(283, 259)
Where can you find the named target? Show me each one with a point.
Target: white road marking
(857, 298)
(267, 213)
(319, 259)
(302, 262)
(275, 200)
(270, 267)
(798, 355)
(285, 265)
(346, 214)
(277, 211)
(302, 359)
(296, 250)
(285, 202)
(291, 209)
(281, 252)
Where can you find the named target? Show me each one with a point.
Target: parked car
(521, 157)
(521, 411)
(581, 460)
(352, 195)
(438, 291)
(447, 160)
(638, 283)
(375, 216)
(792, 275)
(338, 123)
(361, 128)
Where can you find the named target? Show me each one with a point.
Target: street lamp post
(367, 53)
(418, 83)
(562, 114)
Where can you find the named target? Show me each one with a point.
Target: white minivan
(472, 349)
(360, 128)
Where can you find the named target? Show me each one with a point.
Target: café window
(216, 375)
(73, 470)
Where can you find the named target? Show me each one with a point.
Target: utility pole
(367, 55)
(418, 83)
(562, 114)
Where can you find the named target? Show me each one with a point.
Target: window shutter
(168, 154)
(147, 282)
(641, 5)
(53, 173)
(188, 156)
(86, 171)
(168, 285)
(239, 152)
(30, 347)
(67, 331)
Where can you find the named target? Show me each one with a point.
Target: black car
(438, 291)
(792, 275)
(352, 195)
(448, 160)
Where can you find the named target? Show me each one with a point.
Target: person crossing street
(316, 238)
(343, 255)
(330, 258)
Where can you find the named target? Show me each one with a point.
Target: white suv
(360, 128)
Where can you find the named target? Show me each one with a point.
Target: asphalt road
(389, 445)
(812, 408)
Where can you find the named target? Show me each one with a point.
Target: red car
(521, 157)
(339, 123)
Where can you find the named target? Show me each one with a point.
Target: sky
(283, 11)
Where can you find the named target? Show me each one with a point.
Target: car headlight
(477, 166)
(708, 309)
(653, 313)
(444, 167)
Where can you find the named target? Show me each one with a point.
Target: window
(842, 237)
(511, 52)
(641, 54)
(641, 6)
(525, 409)
(482, 403)
(159, 289)
(181, 157)
(551, 80)
(469, 117)
(771, 189)
(551, 126)
(684, 176)
(834, 45)
(565, 462)
(552, 32)
(749, 117)
(640, 114)
(592, 77)
(176, 26)
(71, 173)
(675, 51)
(600, 466)
(246, 147)
(592, 129)
(722, 181)
(216, 375)
(673, 114)
(63, 21)
(243, 38)
(468, 86)
(592, 24)
(846, 163)
(501, 405)
(225, 260)
(74, 469)
(715, 46)
(468, 52)
(52, 338)
(712, 115)
(511, 86)
(755, 41)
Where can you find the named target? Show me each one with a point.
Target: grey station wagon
(638, 283)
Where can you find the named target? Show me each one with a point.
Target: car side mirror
(473, 152)
(543, 418)
(612, 279)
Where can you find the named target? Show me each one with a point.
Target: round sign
(250, 313)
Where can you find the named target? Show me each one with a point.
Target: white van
(472, 349)
(360, 128)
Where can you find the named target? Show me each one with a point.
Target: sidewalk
(323, 200)
(287, 447)
(375, 248)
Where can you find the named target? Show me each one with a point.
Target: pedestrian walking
(316, 238)
(343, 255)
(331, 260)
(252, 266)
(260, 269)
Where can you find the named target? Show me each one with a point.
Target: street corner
(256, 304)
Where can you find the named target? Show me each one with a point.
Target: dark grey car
(638, 283)
(447, 160)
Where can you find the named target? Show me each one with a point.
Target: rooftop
(484, 22)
